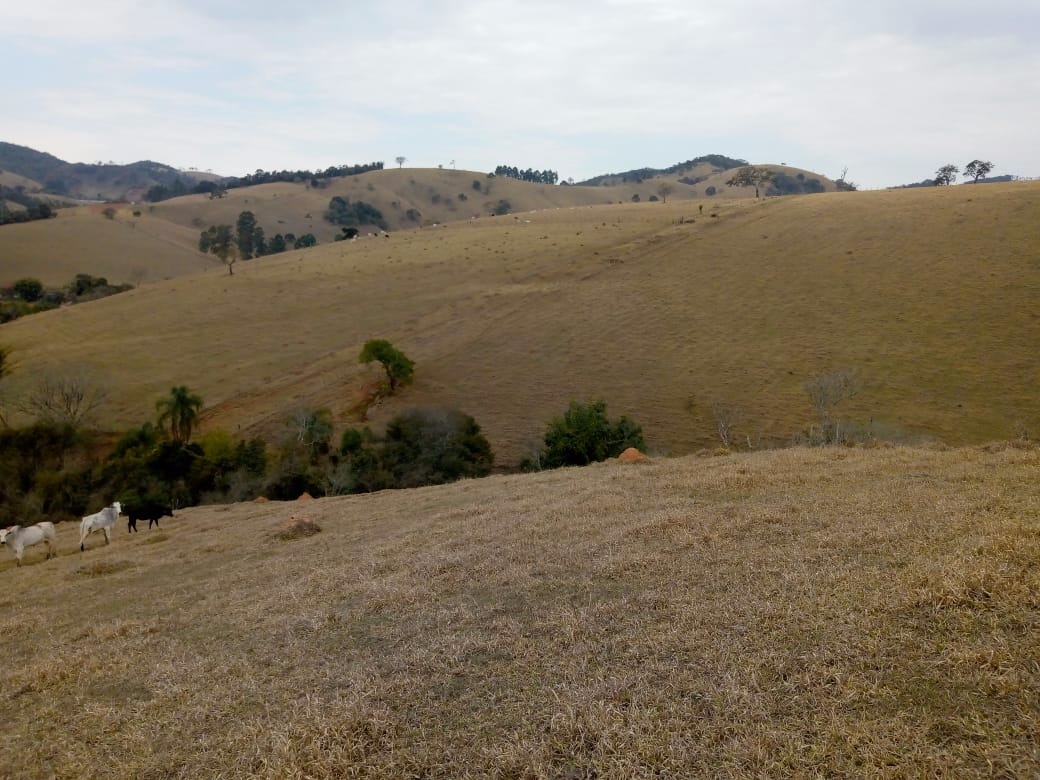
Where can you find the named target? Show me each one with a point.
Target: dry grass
(298, 528)
(928, 294)
(825, 613)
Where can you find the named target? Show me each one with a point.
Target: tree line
(247, 240)
(33, 207)
(528, 174)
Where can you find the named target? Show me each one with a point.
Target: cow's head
(118, 507)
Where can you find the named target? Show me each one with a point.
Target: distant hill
(41, 172)
(709, 163)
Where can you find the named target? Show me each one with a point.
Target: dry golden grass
(809, 613)
(929, 294)
(81, 240)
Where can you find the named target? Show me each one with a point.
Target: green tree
(245, 229)
(433, 446)
(750, 176)
(399, 369)
(180, 412)
(29, 289)
(946, 175)
(219, 240)
(978, 169)
(305, 241)
(584, 434)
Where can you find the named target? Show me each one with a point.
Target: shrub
(29, 289)
(502, 207)
(431, 446)
(710, 191)
(585, 435)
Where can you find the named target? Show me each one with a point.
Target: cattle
(146, 510)
(18, 538)
(99, 521)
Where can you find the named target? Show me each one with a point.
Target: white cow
(99, 521)
(18, 538)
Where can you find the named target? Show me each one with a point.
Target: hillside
(659, 310)
(43, 172)
(802, 613)
(81, 240)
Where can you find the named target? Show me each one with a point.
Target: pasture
(656, 308)
(829, 612)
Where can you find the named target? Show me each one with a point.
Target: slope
(81, 240)
(802, 613)
(655, 308)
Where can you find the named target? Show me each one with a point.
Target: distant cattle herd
(18, 537)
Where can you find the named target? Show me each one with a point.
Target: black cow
(146, 510)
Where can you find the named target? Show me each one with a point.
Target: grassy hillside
(81, 240)
(928, 294)
(823, 613)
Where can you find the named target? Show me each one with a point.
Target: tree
(29, 289)
(180, 411)
(664, 189)
(978, 169)
(433, 446)
(110, 213)
(219, 240)
(66, 396)
(245, 230)
(826, 392)
(399, 369)
(750, 176)
(400, 161)
(585, 435)
(946, 175)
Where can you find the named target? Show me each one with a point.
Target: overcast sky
(891, 89)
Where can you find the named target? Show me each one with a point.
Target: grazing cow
(18, 538)
(146, 510)
(99, 521)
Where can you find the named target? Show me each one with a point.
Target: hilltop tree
(399, 369)
(180, 411)
(664, 189)
(750, 176)
(978, 169)
(400, 160)
(946, 175)
(219, 240)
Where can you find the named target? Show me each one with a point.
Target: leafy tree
(180, 411)
(276, 244)
(305, 241)
(750, 176)
(342, 211)
(400, 160)
(585, 435)
(219, 240)
(29, 289)
(245, 229)
(664, 189)
(946, 175)
(110, 213)
(399, 369)
(502, 208)
(433, 446)
(978, 169)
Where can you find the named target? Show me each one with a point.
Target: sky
(890, 90)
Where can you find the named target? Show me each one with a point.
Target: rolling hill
(801, 613)
(659, 309)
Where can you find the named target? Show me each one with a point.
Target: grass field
(656, 308)
(813, 613)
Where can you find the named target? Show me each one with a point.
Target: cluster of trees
(342, 211)
(29, 296)
(528, 174)
(638, 175)
(976, 169)
(247, 240)
(33, 208)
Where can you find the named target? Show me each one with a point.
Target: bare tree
(68, 396)
(400, 160)
(664, 189)
(826, 392)
(727, 418)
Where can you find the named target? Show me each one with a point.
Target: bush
(585, 435)
(431, 446)
(502, 207)
(29, 289)
(710, 191)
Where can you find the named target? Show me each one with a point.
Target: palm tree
(180, 410)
